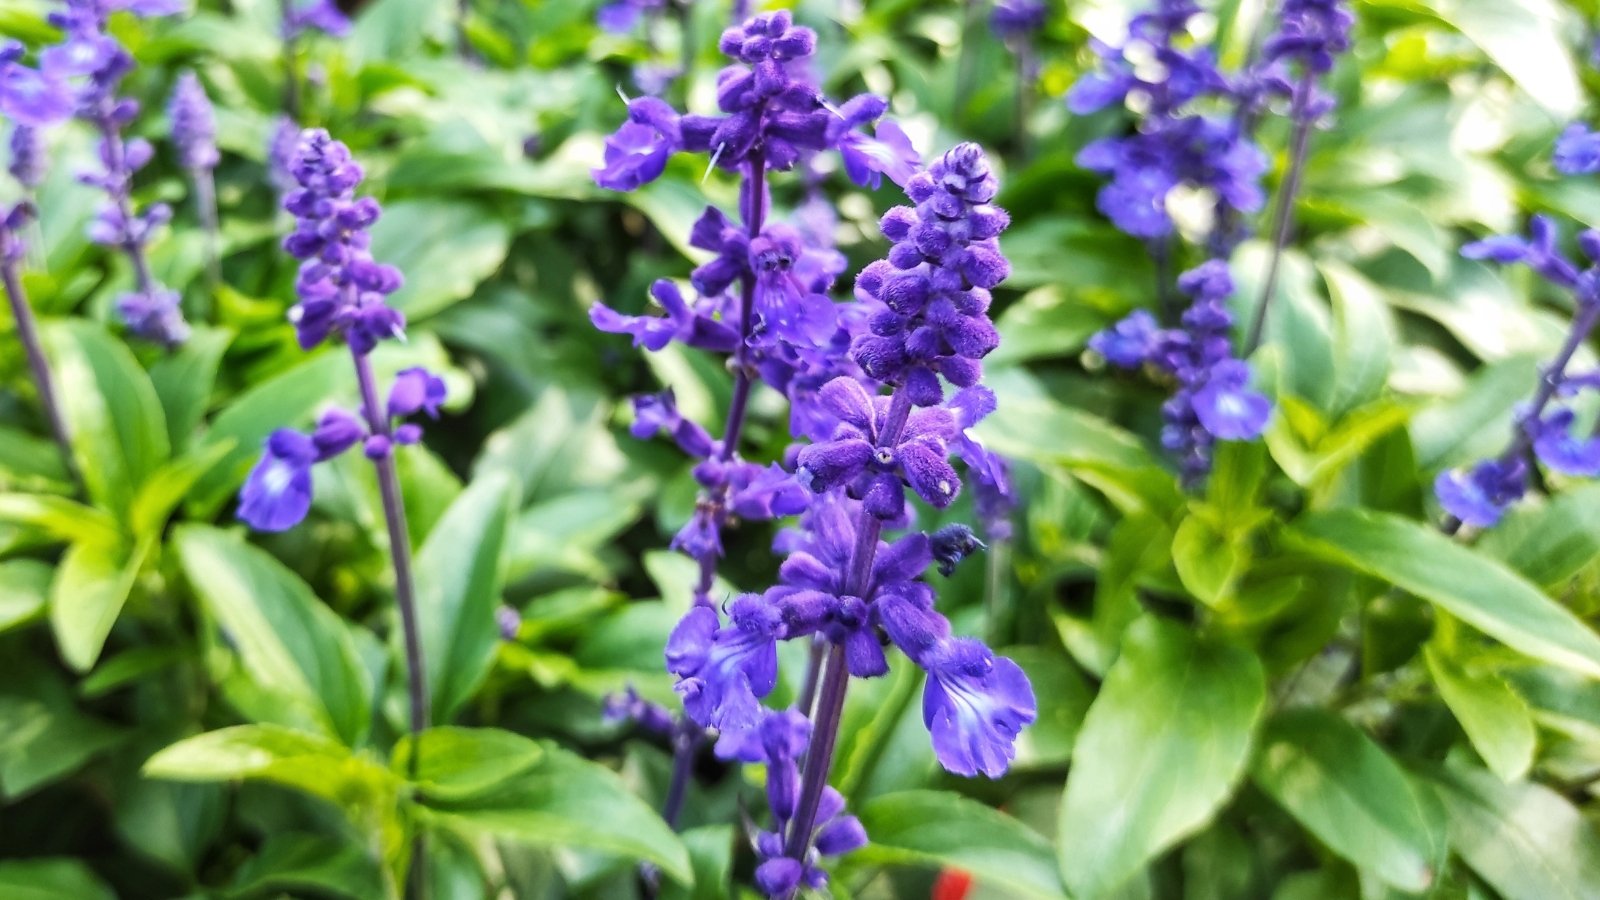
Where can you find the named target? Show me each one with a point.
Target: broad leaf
(1475, 589)
(290, 643)
(1161, 749)
(184, 380)
(88, 593)
(457, 763)
(568, 801)
(940, 829)
(297, 759)
(1496, 719)
(443, 247)
(1525, 840)
(51, 879)
(458, 590)
(24, 586)
(1345, 790)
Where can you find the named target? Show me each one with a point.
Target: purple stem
(394, 514)
(28, 333)
(119, 193)
(1283, 211)
(835, 674)
(205, 201)
(291, 50)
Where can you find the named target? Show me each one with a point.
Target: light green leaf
(711, 854)
(1345, 790)
(167, 486)
(942, 829)
(568, 801)
(118, 432)
(40, 743)
(458, 590)
(290, 643)
(51, 879)
(1548, 540)
(1363, 338)
(1496, 719)
(24, 586)
(1160, 751)
(184, 380)
(458, 763)
(88, 593)
(297, 759)
(1471, 587)
(59, 518)
(1525, 840)
(1525, 38)
(444, 248)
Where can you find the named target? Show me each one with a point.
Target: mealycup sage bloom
(919, 324)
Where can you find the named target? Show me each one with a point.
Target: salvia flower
(28, 158)
(783, 739)
(1016, 19)
(193, 124)
(93, 65)
(31, 97)
(1546, 433)
(341, 292)
(322, 16)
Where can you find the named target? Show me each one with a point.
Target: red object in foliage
(952, 884)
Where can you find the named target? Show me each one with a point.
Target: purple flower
(692, 327)
(975, 704)
(626, 706)
(857, 460)
(635, 155)
(31, 97)
(1578, 151)
(1479, 496)
(1538, 251)
(194, 128)
(1013, 19)
(154, 315)
(416, 390)
(723, 670)
(277, 495)
(1226, 406)
(1555, 444)
(620, 16)
(337, 431)
(341, 288)
(654, 414)
(1127, 344)
(28, 154)
(281, 146)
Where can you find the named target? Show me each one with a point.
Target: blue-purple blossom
(323, 16)
(1560, 449)
(1128, 343)
(277, 495)
(281, 146)
(1014, 19)
(974, 705)
(342, 290)
(724, 669)
(28, 158)
(780, 742)
(193, 124)
(620, 16)
(1577, 151)
(857, 459)
(31, 97)
(1479, 496)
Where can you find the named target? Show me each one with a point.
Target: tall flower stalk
(12, 251)
(95, 64)
(342, 293)
(194, 132)
(297, 18)
(1311, 35)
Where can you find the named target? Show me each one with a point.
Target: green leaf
(40, 743)
(1044, 323)
(167, 487)
(568, 801)
(458, 763)
(1475, 589)
(1160, 751)
(30, 463)
(184, 380)
(1496, 719)
(1524, 38)
(944, 829)
(112, 412)
(59, 518)
(458, 590)
(1363, 338)
(24, 586)
(290, 644)
(51, 879)
(1548, 540)
(293, 863)
(1345, 790)
(711, 854)
(1209, 562)
(297, 759)
(88, 593)
(1525, 840)
(444, 248)
(1477, 422)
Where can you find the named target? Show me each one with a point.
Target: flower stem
(394, 515)
(835, 674)
(205, 201)
(1283, 210)
(44, 382)
(291, 50)
(120, 194)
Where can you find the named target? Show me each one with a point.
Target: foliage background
(1288, 686)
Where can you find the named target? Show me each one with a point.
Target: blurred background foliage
(1286, 685)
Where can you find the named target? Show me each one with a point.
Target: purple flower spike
(1555, 444)
(416, 390)
(277, 495)
(194, 129)
(1127, 344)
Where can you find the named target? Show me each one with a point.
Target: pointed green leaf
(566, 800)
(51, 879)
(1496, 719)
(88, 593)
(940, 829)
(1345, 790)
(456, 763)
(1161, 749)
(290, 643)
(1479, 591)
(458, 590)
